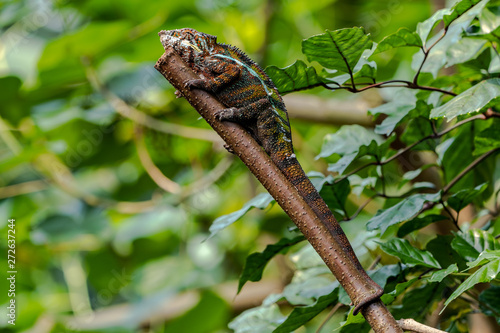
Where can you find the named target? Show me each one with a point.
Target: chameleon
(253, 101)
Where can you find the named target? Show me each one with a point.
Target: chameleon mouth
(166, 39)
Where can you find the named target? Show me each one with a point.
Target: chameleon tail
(294, 172)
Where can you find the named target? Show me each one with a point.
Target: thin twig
(404, 150)
(360, 208)
(404, 83)
(453, 219)
(23, 188)
(426, 54)
(415, 326)
(156, 175)
(329, 316)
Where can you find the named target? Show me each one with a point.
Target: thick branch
(259, 163)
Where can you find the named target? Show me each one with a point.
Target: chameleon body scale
(253, 101)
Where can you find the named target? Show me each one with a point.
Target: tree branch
(405, 84)
(286, 195)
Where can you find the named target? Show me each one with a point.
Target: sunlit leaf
(400, 212)
(339, 49)
(440, 56)
(484, 274)
(459, 9)
(471, 243)
(295, 77)
(471, 100)
(409, 255)
(439, 276)
(402, 37)
(396, 111)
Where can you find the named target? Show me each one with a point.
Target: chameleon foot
(193, 84)
(226, 114)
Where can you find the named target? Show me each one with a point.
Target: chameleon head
(187, 42)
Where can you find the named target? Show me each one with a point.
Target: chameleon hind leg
(245, 114)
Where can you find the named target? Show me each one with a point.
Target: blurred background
(113, 182)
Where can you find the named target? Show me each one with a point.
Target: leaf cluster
(449, 124)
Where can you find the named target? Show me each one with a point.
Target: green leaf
(355, 327)
(339, 49)
(396, 111)
(419, 223)
(484, 257)
(440, 56)
(388, 298)
(487, 139)
(402, 211)
(464, 197)
(13, 109)
(484, 274)
(441, 274)
(402, 37)
(443, 252)
(336, 194)
(295, 77)
(373, 149)
(409, 255)
(471, 243)
(425, 28)
(488, 302)
(301, 315)
(416, 129)
(261, 201)
(381, 275)
(489, 20)
(347, 140)
(460, 154)
(471, 100)
(366, 68)
(458, 10)
(256, 262)
(416, 302)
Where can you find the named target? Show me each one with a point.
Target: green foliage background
(100, 244)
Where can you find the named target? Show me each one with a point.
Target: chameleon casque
(252, 100)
